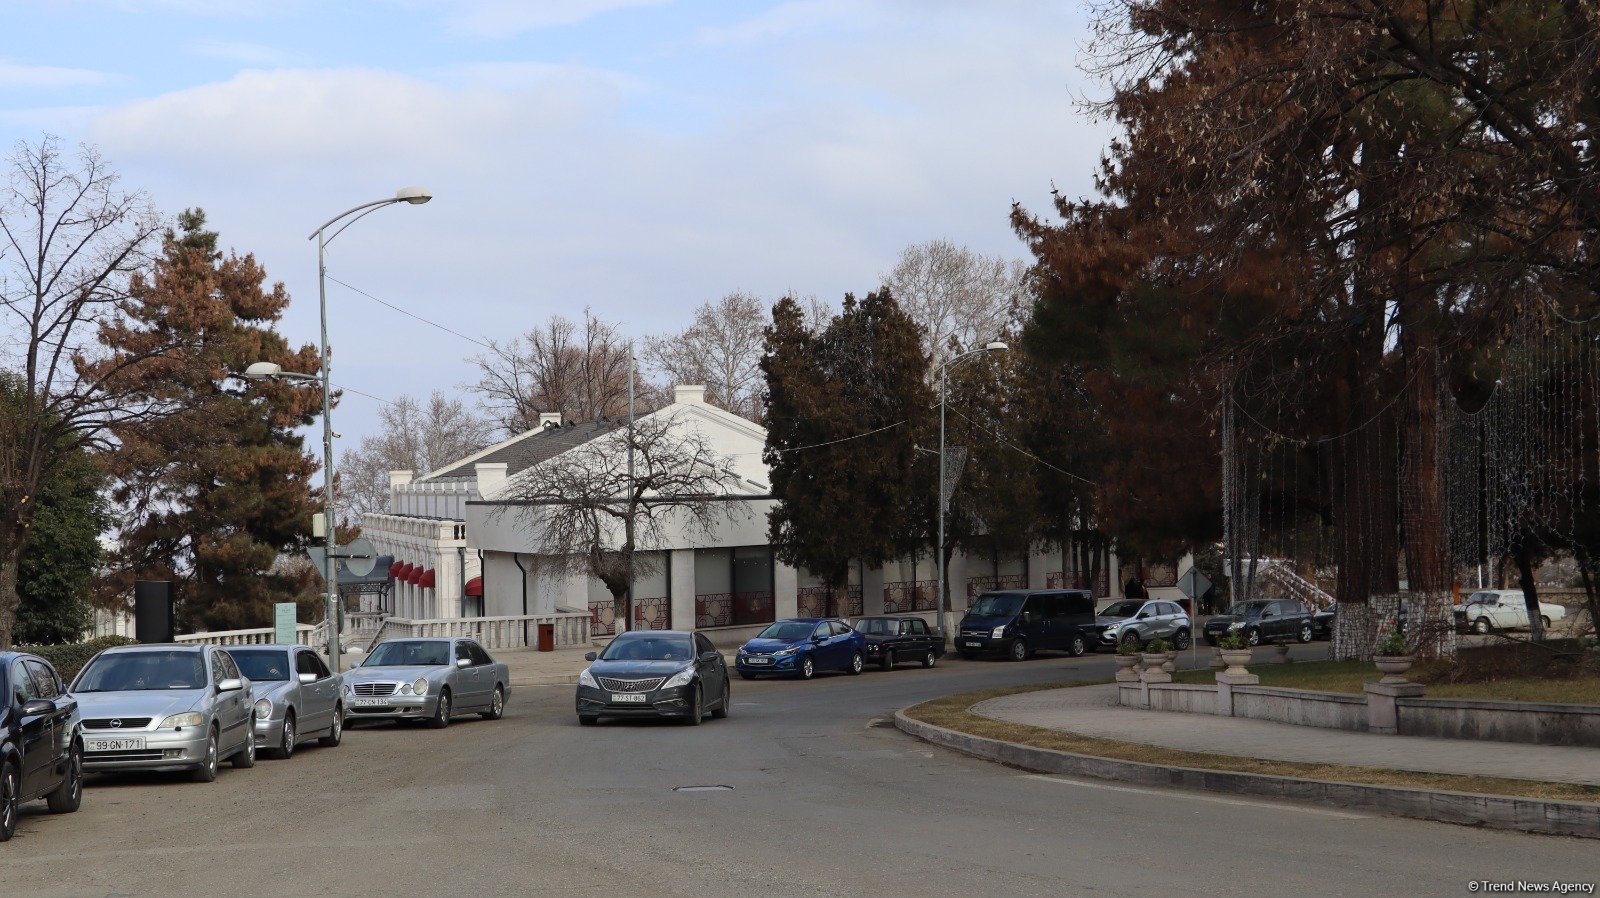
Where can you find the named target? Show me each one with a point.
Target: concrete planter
(1127, 671)
(1153, 670)
(1393, 667)
(1171, 664)
(1216, 659)
(1235, 659)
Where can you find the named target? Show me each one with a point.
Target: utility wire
(410, 314)
(828, 443)
(1008, 443)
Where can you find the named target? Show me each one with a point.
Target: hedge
(69, 659)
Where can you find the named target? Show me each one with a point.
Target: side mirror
(463, 662)
(308, 678)
(38, 707)
(591, 656)
(709, 656)
(231, 684)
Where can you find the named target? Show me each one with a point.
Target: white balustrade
(510, 632)
(257, 636)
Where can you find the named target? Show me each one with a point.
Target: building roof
(524, 450)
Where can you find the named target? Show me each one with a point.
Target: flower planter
(1127, 671)
(1171, 664)
(1235, 659)
(1216, 659)
(1153, 660)
(1393, 667)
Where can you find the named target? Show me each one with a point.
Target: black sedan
(655, 673)
(41, 740)
(891, 640)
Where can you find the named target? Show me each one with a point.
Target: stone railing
(257, 636)
(511, 632)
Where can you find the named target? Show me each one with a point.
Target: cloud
(787, 20)
(245, 53)
(505, 18)
(13, 75)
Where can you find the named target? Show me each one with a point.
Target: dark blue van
(1020, 622)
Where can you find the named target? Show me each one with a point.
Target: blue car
(802, 646)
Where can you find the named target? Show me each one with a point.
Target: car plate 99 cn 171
(623, 697)
(120, 744)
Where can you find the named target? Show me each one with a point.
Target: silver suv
(1141, 620)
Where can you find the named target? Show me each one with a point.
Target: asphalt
(825, 799)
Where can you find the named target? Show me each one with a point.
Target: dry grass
(1348, 676)
(954, 712)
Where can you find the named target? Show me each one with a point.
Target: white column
(681, 569)
(872, 590)
(785, 580)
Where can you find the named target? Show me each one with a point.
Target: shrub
(1232, 640)
(1391, 643)
(1158, 646)
(1127, 646)
(69, 659)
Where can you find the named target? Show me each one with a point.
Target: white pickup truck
(1488, 610)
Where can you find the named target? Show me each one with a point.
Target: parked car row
(190, 708)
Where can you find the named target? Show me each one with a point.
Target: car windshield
(140, 671)
(878, 626)
(649, 648)
(788, 629)
(1488, 597)
(409, 653)
(1248, 609)
(262, 664)
(996, 604)
(1122, 609)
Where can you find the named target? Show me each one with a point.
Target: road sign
(1193, 583)
(284, 620)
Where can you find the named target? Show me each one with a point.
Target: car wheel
(1131, 638)
(857, 663)
(1546, 621)
(746, 676)
(1252, 637)
(1181, 639)
(10, 793)
(697, 709)
(336, 732)
(497, 705)
(808, 668)
(1481, 626)
(68, 796)
(887, 661)
(441, 712)
(285, 749)
(207, 771)
(245, 758)
(1018, 650)
(930, 659)
(1305, 633)
(727, 702)
(1077, 646)
(588, 720)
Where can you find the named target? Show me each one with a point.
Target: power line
(410, 314)
(828, 443)
(1007, 443)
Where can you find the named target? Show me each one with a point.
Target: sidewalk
(1093, 711)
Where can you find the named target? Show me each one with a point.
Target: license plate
(369, 702)
(124, 744)
(974, 645)
(627, 697)
(758, 660)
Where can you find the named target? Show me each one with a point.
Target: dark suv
(41, 746)
(1019, 622)
(1275, 620)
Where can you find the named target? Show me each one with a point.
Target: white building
(463, 548)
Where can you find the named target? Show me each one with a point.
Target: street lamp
(270, 370)
(944, 500)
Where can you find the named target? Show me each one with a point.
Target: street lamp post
(944, 499)
(261, 370)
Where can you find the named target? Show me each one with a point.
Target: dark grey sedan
(655, 673)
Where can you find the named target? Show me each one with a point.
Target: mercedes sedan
(427, 679)
(297, 697)
(165, 707)
(655, 673)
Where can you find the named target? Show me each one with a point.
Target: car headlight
(405, 689)
(788, 651)
(681, 678)
(1236, 625)
(263, 709)
(186, 719)
(587, 679)
(420, 686)
(998, 632)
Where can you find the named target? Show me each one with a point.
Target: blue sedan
(801, 647)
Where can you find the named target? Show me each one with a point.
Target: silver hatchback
(165, 707)
(1138, 621)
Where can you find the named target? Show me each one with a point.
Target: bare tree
(579, 369)
(721, 349)
(956, 295)
(587, 516)
(413, 437)
(70, 240)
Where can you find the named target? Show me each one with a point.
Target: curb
(1564, 818)
(545, 681)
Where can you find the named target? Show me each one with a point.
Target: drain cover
(702, 788)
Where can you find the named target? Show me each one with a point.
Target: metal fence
(910, 595)
(812, 601)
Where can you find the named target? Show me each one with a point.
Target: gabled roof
(524, 450)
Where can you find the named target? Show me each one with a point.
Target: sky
(638, 157)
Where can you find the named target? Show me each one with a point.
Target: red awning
(413, 574)
(405, 571)
(425, 579)
(394, 569)
(475, 586)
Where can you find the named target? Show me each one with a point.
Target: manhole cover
(702, 788)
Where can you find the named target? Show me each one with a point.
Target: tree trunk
(12, 542)
(1530, 592)
(1592, 597)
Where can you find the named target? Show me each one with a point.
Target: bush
(1158, 646)
(1233, 640)
(69, 659)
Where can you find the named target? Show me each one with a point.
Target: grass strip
(1348, 677)
(954, 712)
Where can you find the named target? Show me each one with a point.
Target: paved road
(823, 802)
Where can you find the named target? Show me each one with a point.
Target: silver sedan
(427, 679)
(297, 697)
(165, 707)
